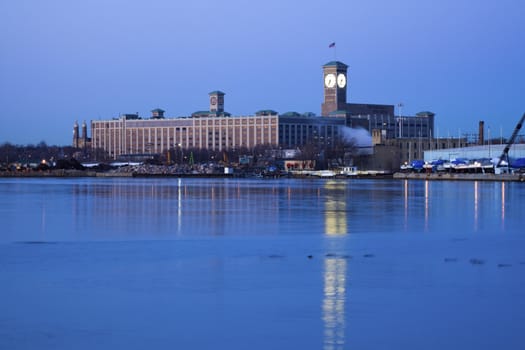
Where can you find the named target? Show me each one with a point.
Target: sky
(63, 61)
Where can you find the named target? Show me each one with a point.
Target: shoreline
(459, 177)
(396, 176)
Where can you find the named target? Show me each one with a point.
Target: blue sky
(63, 60)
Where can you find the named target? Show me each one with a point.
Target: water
(87, 209)
(259, 264)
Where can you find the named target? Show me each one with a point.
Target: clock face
(329, 80)
(341, 80)
(213, 100)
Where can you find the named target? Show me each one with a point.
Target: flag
(331, 45)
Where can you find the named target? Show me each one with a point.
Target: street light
(181, 153)
(488, 132)
(400, 106)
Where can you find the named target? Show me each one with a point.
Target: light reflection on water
(166, 208)
(334, 298)
(502, 205)
(476, 203)
(335, 208)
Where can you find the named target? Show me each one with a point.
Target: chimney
(481, 137)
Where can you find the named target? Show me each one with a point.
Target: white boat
(324, 173)
(349, 171)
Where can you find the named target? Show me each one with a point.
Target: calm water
(116, 209)
(261, 264)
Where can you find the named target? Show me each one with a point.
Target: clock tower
(335, 83)
(217, 102)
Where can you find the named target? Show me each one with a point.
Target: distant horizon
(64, 61)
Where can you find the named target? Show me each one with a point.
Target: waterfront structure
(215, 129)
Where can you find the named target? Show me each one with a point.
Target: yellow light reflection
(334, 303)
(503, 204)
(335, 209)
(179, 206)
(476, 205)
(406, 203)
(427, 194)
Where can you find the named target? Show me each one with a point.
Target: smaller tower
(157, 113)
(217, 102)
(481, 135)
(75, 134)
(84, 133)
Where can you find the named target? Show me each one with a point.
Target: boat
(348, 171)
(324, 173)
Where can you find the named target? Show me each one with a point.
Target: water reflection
(155, 208)
(335, 208)
(183, 207)
(476, 205)
(179, 206)
(334, 291)
(503, 205)
(466, 206)
(427, 196)
(334, 298)
(406, 203)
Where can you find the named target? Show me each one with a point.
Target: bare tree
(341, 152)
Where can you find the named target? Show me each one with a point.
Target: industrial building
(215, 129)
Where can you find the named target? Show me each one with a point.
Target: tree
(342, 151)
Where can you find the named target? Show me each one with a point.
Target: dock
(460, 177)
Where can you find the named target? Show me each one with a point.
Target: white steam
(360, 137)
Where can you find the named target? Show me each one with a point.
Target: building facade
(154, 136)
(128, 135)
(395, 127)
(295, 131)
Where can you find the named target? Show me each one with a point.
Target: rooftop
(425, 114)
(335, 64)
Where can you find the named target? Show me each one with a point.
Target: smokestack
(481, 136)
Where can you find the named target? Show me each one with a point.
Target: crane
(505, 153)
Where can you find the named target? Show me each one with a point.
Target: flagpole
(332, 46)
